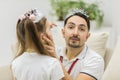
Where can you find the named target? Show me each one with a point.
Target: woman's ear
(41, 37)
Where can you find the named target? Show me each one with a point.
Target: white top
(32, 66)
(89, 63)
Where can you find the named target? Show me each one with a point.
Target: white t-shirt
(33, 66)
(89, 63)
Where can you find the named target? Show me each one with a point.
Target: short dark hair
(80, 15)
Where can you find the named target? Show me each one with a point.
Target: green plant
(95, 13)
(61, 8)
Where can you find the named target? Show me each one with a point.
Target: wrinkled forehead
(77, 20)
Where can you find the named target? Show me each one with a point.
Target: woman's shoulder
(50, 59)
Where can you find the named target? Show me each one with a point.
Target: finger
(49, 37)
(52, 24)
(52, 53)
(50, 50)
(48, 41)
(48, 47)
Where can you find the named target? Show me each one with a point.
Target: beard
(74, 42)
(74, 46)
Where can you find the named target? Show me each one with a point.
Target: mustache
(75, 37)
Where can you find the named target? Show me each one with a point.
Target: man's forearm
(67, 76)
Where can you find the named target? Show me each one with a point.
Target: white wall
(115, 32)
(105, 6)
(10, 11)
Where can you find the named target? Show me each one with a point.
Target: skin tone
(48, 40)
(76, 34)
(49, 46)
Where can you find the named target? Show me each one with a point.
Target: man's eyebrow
(83, 25)
(71, 23)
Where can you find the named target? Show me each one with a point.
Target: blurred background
(12, 9)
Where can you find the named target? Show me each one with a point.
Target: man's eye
(70, 26)
(82, 29)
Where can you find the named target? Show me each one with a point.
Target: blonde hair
(28, 35)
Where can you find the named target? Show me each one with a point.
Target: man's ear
(63, 32)
(88, 35)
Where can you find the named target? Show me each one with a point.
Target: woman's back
(33, 61)
(33, 66)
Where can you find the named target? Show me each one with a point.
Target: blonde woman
(32, 61)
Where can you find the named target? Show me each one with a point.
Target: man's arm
(92, 70)
(14, 78)
(67, 76)
(51, 51)
(83, 76)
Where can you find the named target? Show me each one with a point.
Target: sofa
(97, 42)
(113, 68)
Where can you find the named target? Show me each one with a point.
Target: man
(79, 61)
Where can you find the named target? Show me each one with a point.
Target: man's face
(75, 32)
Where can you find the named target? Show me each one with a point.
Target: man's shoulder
(93, 54)
(93, 63)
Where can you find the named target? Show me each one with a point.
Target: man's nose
(76, 32)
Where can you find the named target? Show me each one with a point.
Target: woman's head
(29, 28)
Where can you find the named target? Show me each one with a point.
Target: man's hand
(49, 45)
(48, 40)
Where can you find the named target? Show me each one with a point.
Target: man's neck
(73, 52)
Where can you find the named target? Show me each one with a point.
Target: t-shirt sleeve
(94, 67)
(13, 67)
(57, 72)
